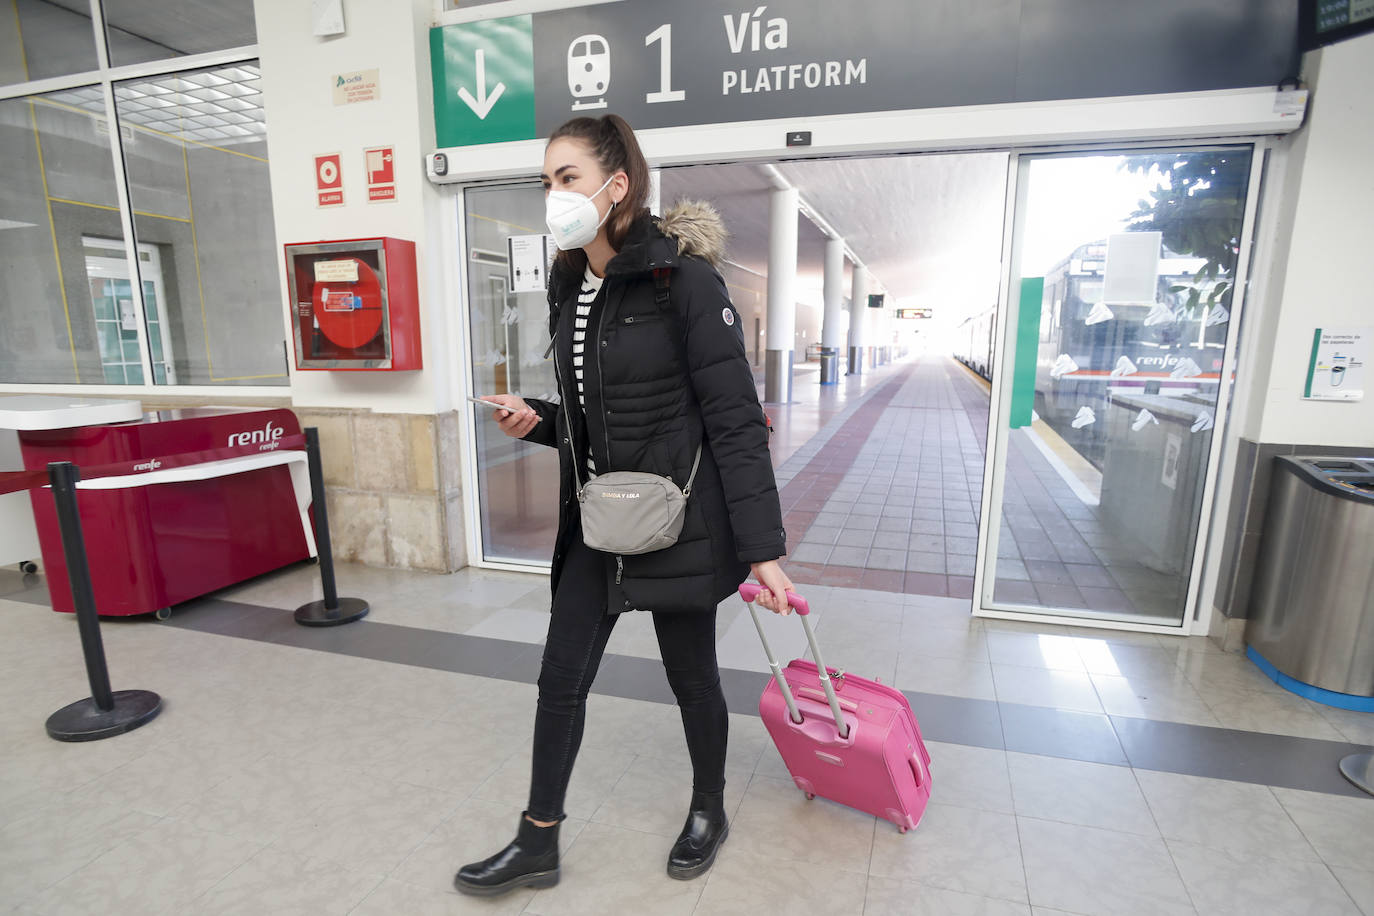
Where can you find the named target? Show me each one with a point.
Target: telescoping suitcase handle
(749, 591)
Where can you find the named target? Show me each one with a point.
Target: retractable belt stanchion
(104, 713)
(333, 610)
(1359, 769)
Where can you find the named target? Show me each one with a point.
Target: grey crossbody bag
(631, 512)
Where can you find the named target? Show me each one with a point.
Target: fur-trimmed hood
(698, 230)
(689, 228)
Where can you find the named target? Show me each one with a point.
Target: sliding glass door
(508, 331)
(1117, 334)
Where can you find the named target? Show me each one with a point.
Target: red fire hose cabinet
(354, 304)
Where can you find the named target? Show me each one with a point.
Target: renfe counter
(157, 544)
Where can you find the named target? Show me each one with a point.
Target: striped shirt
(586, 298)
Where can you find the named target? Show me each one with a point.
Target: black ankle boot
(530, 860)
(701, 837)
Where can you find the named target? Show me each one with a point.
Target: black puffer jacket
(647, 412)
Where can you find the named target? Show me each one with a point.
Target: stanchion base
(85, 721)
(315, 614)
(1359, 769)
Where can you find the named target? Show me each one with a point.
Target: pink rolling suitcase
(876, 762)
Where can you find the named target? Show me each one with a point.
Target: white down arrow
(481, 106)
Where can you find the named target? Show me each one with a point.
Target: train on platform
(1089, 351)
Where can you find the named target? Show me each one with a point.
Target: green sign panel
(483, 81)
(1027, 344)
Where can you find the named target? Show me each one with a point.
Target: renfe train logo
(266, 437)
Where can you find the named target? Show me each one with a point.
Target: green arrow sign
(483, 81)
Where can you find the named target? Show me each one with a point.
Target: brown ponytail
(612, 143)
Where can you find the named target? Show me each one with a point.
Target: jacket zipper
(600, 380)
(601, 390)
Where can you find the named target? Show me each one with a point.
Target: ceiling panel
(929, 227)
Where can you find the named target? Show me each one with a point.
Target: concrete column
(782, 301)
(882, 333)
(858, 314)
(834, 304)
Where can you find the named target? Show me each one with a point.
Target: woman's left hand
(776, 586)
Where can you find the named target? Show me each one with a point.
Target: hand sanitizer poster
(1335, 371)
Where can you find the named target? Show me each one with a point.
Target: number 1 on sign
(665, 93)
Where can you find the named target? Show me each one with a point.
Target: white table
(18, 536)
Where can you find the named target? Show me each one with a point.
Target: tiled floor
(352, 770)
(296, 770)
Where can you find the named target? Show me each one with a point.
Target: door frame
(498, 171)
(989, 528)
(454, 238)
(119, 269)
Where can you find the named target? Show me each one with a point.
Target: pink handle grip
(749, 591)
(918, 770)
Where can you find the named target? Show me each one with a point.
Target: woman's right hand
(516, 419)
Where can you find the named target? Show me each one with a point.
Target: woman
(646, 379)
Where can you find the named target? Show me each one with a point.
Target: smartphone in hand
(490, 405)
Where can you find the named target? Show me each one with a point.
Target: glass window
(59, 192)
(41, 39)
(144, 30)
(195, 153)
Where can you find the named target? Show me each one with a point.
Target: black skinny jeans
(578, 631)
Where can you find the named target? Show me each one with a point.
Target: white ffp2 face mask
(572, 218)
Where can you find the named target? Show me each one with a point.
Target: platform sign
(483, 81)
(1325, 22)
(1336, 366)
(664, 63)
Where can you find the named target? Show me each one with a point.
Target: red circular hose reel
(349, 313)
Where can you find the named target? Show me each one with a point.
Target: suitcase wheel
(810, 796)
(902, 829)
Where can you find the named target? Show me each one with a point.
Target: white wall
(303, 121)
(1326, 281)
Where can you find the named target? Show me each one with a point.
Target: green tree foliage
(1198, 206)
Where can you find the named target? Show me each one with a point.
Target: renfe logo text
(266, 437)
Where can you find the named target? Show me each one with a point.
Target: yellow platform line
(982, 382)
(1077, 465)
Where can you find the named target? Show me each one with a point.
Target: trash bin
(1311, 623)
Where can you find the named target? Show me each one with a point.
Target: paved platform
(887, 496)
